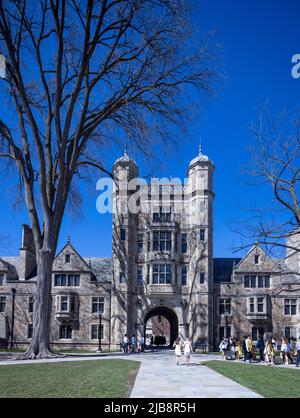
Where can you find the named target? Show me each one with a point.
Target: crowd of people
(231, 349)
(264, 350)
(132, 345)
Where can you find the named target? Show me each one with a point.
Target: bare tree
(276, 168)
(77, 71)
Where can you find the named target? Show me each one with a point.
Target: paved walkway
(160, 377)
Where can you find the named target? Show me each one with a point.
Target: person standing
(261, 347)
(289, 352)
(232, 348)
(298, 352)
(177, 346)
(224, 348)
(249, 349)
(133, 344)
(239, 352)
(270, 353)
(274, 344)
(188, 349)
(283, 351)
(125, 344)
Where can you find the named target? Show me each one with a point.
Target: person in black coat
(261, 347)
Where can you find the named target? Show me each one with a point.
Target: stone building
(162, 265)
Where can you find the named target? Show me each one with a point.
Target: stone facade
(162, 257)
(162, 265)
(262, 297)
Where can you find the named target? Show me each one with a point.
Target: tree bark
(40, 343)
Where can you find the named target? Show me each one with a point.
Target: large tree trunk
(40, 343)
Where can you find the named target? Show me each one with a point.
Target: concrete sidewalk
(159, 377)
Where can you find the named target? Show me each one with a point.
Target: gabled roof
(70, 247)
(268, 263)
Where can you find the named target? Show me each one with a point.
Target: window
(183, 243)
(139, 275)
(260, 305)
(253, 281)
(225, 306)
(263, 281)
(140, 239)
(122, 278)
(183, 275)
(251, 305)
(95, 332)
(123, 234)
(163, 216)
(202, 234)
(223, 334)
(64, 304)
(60, 280)
(267, 281)
(65, 332)
(1, 279)
(290, 332)
(74, 280)
(162, 274)
(70, 280)
(67, 258)
(290, 306)
(30, 304)
(97, 304)
(148, 273)
(29, 330)
(162, 241)
(256, 259)
(202, 277)
(246, 281)
(257, 332)
(2, 303)
(257, 305)
(256, 281)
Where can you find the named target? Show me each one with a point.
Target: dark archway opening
(164, 321)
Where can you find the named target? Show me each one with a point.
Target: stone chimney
(27, 253)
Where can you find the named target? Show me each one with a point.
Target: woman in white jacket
(187, 351)
(177, 346)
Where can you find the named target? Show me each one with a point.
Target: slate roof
(15, 266)
(101, 267)
(223, 268)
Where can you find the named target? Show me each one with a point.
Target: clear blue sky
(258, 38)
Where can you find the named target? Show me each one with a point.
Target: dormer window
(67, 258)
(1, 279)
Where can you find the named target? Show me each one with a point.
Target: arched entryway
(160, 315)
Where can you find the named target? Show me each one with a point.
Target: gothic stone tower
(162, 256)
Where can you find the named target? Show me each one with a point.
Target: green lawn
(268, 381)
(80, 379)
